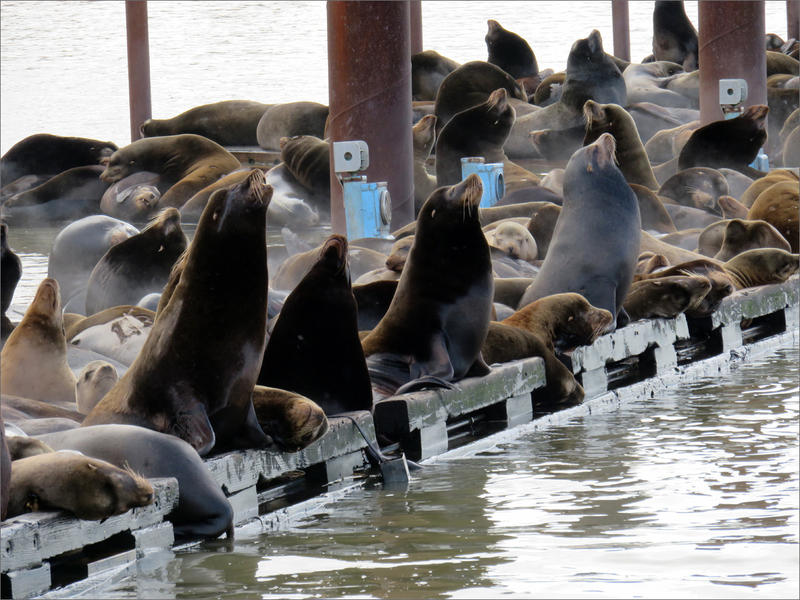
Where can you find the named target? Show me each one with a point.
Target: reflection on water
(691, 493)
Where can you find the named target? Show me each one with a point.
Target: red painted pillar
(731, 41)
(793, 19)
(138, 64)
(369, 75)
(622, 35)
(415, 7)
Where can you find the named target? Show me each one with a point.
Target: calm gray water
(693, 493)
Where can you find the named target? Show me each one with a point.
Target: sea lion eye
(433, 213)
(132, 162)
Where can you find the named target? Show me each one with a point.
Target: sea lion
(674, 36)
(687, 217)
(761, 267)
(790, 154)
(373, 300)
(665, 297)
(294, 268)
(779, 206)
(89, 488)
(317, 331)
(228, 123)
(685, 238)
(591, 74)
(291, 420)
(655, 217)
(673, 254)
(194, 206)
(508, 290)
(133, 198)
(762, 183)
(649, 262)
(513, 239)
(308, 158)
(557, 145)
(505, 343)
(510, 52)
(660, 148)
(470, 85)
(46, 154)
(732, 143)
(194, 376)
(696, 187)
(76, 250)
(439, 315)
(121, 338)
(290, 119)
(424, 136)
(81, 323)
(649, 83)
(186, 162)
(93, 383)
(428, 70)
(601, 210)
(721, 283)
(782, 102)
(542, 225)
(731, 208)
(202, 510)
(10, 273)
(630, 155)
(778, 62)
(34, 357)
(741, 235)
(549, 89)
(22, 446)
(137, 266)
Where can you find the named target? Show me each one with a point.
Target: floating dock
(52, 553)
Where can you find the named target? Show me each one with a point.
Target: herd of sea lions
(143, 350)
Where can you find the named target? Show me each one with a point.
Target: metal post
(369, 75)
(138, 64)
(622, 35)
(731, 40)
(415, 7)
(793, 19)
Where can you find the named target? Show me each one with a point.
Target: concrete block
(244, 504)
(28, 582)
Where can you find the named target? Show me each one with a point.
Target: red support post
(621, 23)
(731, 46)
(415, 7)
(369, 75)
(138, 64)
(793, 19)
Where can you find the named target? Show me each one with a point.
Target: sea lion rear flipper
(192, 425)
(479, 368)
(438, 364)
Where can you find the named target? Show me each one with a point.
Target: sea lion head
(46, 305)
(251, 196)
(93, 383)
(762, 266)
(118, 165)
(666, 297)
(513, 239)
(588, 49)
(333, 255)
(424, 134)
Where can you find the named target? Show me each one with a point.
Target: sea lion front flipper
(192, 425)
(438, 364)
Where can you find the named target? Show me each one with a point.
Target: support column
(138, 64)
(369, 74)
(793, 19)
(731, 46)
(622, 35)
(415, 7)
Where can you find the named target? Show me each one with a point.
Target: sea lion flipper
(192, 425)
(438, 364)
(479, 368)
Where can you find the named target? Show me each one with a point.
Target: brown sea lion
(665, 297)
(94, 382)
(630, 154)
(542, 224)
(508, 290)
(290, 119)
(194, 376)
(762, 183)
(761, 267)
(33, 362)
(779, 205)
(674, 36)
(545, 93)
(39, 409)
(673, 254)
(424, 136)
(563, 321)
(722, 284)
(89, 488)
(317, 331)
(438, 318)
(742, 235)
(654, 216)
(778, 62)
(510, 52)
(790, 154)
(194, 206)
(731, 208)
(696, 187)
(291, 420)
(659, 148)
(46, 154)
(23, 446)
(228, 123)
(601, 210)
(428, 70)
(186, 161)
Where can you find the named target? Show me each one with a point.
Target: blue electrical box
(367, 206)
(491, 175)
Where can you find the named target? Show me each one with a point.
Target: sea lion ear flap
(192, 425)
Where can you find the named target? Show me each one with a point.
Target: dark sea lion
(601, 210)
(557, 145)
(762, 183)
(505, 343)
(741, 235)
(317, 331)
(732, 143)
(33, 362)
(510, 52)
(470, 85)
(46, 154)
(20, 446)
(94, 382)
(438, 318)
(562, 321)
(373, 300)
(424, 135)
(665, 297)
(5, 471)
(308, 159)
(202, 510)
(630, 155)
(651, 209)
(137, 266)
(761, 267)
(696, 187)
(591, 74)
(195, 374)
(291, 420)
(290, 119)
(229, 123)
(542, 225)
(659, 147)
(89, 488)
(428, 70)
(731, 208)
(674, 36)
(10, 273)
(133, 198)
(76, 250)
(779, 205)
(186, 162)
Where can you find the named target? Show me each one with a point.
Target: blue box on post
(491, 175)
(367, 206)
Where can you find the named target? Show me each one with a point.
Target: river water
(692, 493)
